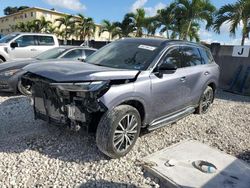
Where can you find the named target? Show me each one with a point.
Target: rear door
(44, 43)
(193, 70)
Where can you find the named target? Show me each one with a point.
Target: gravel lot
(35, 154)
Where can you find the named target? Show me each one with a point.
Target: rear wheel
(118, 131)
(205, 101)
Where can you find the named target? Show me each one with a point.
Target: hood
(66, 71)
(10, 65)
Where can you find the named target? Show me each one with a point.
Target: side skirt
(170, 119)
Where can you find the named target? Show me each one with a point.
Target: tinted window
(89, 52)
(26, 40)
(173, 56)
(125, 55)
(45, 40)
(73, 54)
(206, 56)
(190, 56)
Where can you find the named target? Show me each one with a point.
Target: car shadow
(24, 133)
(231, 96)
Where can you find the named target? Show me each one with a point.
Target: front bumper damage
(56, 106)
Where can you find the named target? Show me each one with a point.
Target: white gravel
(33, 154)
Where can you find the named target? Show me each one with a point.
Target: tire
(24, 90)
(205, 101)
(112, 129)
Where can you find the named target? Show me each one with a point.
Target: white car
(25, 45)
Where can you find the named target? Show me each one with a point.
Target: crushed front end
(72, 104)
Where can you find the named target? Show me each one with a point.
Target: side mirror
(167, 68)
(13, 44)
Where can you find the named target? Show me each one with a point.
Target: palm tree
(68, 23)
(234, 14)
(42, 24)
(151, 25)
(109, 27)
(85, 27)
(126, 27)
(138, 19)
(195, 11)
(166, 18)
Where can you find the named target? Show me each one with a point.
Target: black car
(10, 72)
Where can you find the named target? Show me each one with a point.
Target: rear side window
(26, 40)
(173, 56)
(206, 56)
(45, 40)
(74, 54)
(190, 56)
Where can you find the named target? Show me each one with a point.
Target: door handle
(183, 79)
(33, 49)
(206, 73)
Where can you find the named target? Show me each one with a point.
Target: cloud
(138, 4)
(75, 5)
(151, 11)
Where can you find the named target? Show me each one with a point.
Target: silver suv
(25, 45)
(128, 85)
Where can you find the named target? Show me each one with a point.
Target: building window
(31, 14)
(25, 15)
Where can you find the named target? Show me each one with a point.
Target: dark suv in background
(127, 85)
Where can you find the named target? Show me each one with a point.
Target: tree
(151, 25)
(42, 24)
(126, 27)
(11, 10)
(194, 11)
(166, 18)
(68, 22)
(110, 27)
(85, 27)
(138, 19)
(234, 14)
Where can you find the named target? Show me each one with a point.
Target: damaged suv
(127, 85)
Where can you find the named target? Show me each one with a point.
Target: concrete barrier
(234, 62)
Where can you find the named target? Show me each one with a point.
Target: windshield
(51, 54)
(125, 55)
(8, 38)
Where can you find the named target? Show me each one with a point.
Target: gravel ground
(33, 154)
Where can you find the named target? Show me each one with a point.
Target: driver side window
(173, 56)
(26, 40)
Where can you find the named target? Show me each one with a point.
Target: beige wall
(36, 13)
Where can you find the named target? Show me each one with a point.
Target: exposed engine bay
(71, 104)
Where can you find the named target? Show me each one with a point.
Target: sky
(114, 10)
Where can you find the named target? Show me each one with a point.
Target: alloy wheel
(207, 100)
(125, 133)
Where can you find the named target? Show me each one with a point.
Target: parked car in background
(1, 36)
(10, 72)
(125, 86)
(24, 45)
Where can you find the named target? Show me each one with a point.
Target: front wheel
(205, 101)
(24, 88)
(118, 131)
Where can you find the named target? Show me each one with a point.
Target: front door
(167, 90)
(27, 47)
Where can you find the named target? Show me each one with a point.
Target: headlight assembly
(82, 86)
(9, 72)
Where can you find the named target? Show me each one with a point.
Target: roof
(29, 33)
(161, 42)
(72, 47)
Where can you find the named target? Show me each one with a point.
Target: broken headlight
(82, 86)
